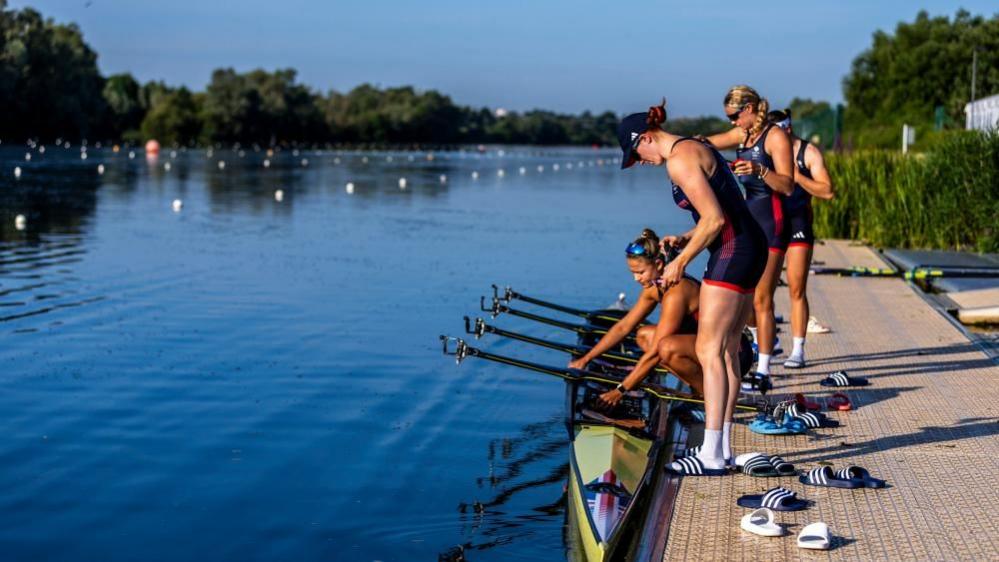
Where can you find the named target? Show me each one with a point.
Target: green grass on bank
(945, 198)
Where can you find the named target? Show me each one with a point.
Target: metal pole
(974, 75)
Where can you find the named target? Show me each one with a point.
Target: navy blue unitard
(738, 255)
(798, 206)
(766, 206)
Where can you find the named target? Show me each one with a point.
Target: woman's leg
(763, 306)
(799, 259)
(644, 335)
(678, 354)
(720, 309)
(733, 372)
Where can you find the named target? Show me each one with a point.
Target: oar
(915, 273)
(481, 328)
(590, 316)
(463, 350)
(582, 329)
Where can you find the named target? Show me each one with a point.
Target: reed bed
(946, 198)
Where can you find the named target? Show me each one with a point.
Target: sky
(566, 56)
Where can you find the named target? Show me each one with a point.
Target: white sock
(711, 453)
(726, 444)
(752, 330)
(799, 348)
(763, 365)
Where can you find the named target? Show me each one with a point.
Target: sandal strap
(820, 476)
(776, 497)
(690, 465)
(779, 463)
(756, 464)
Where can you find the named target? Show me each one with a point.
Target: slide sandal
(761, 522)
(839, 402)
(840, 378)
(759, 466)
(814, 536)
(812, 420)
(861, 474)
(805, 403)
(783, 467)
(823, 476)
(777, 499)
(692, 466)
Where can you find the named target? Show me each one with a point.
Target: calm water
(252, 379)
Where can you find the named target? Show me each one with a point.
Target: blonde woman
(765, 170)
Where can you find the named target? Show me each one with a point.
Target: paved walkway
(928, 424)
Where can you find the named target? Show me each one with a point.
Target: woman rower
(703, 184)
(764, 167)
(811, 179)
(671, 341)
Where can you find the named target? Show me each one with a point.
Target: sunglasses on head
(734, 116)
(636, 250)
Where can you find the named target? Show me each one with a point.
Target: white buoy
(241, 153)
(27, 157)
(402, 183)
(131, 154)
(305, 162)
(350, 188)
(568, 166)
(267, 163)
(100, 169)
(83, 156)
(364, 159)
(541, 169)
(522, 170)
(388, 158)
(66, 145)
(41, 149)
(173, 154)
(166, 166)
(336, 160)
(294, 152)
(410, 158)
(20, 222)
(177, 205)
(475, 175)
(554, 167)
(17, 172)
(221, 164)
(443, 178)
(500, 172)
(279, 195)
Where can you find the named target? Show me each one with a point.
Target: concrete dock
(928, 424)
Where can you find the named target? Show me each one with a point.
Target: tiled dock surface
(928, 424)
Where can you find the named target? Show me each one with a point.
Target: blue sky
(561, 55)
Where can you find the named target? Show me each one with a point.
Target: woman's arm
(729, 139)
(670, 319)
(686, 171)
(781, 178)
(645, 305)
(820, 184)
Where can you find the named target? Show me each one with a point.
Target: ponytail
(655, 118)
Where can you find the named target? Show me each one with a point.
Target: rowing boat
(619, 496)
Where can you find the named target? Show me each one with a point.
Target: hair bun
(657, 114)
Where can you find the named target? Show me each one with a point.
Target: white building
(983, 114)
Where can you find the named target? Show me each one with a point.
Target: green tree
(124, 103)
(904, 76)
(174, 119)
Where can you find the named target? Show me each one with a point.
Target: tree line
(50, 87)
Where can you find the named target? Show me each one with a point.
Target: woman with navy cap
(764, 167)
(703, 184)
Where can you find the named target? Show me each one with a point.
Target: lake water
(254, 379)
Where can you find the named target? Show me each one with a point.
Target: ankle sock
(799, 348)
(726, 444)
(763, 365)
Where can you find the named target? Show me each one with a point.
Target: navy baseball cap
(628, 131)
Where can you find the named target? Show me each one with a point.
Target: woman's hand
(578, 363)
(667, 242)
(673, 273)
(610, 398)
(743, 168)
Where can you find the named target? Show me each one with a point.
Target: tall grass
(947, 198)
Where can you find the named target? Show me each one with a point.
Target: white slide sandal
(814, 536)
(761, 522)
